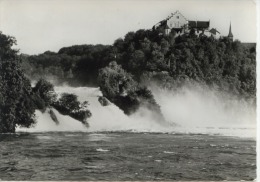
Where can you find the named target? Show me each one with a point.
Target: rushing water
(125, 156)
(189, 111)
(204, 138)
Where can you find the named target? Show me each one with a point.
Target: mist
(197, 106)
(188, 109)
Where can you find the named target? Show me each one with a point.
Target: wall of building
(176, 21)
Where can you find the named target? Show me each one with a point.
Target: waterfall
(187, 111)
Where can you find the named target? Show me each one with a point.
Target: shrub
(45, 90)
(68, 104)
(119, 87)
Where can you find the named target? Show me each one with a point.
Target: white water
(45, 123)
(111, 118)
(192, 110)
(104, 118)
(197, 109)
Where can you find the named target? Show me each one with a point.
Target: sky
(41, 25)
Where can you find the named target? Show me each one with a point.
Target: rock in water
(103, 101)
(54, 117)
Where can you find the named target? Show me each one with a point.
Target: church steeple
(230, 35)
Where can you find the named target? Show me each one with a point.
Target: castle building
(199, 25)
(177, 22)
(214, 33)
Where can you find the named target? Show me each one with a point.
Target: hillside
(151, 57)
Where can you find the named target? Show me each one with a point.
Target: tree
(16, 108)
(45, 90)
(68, 104)
(113, 81)
(203, 59)
(119, 87)
(137, 62)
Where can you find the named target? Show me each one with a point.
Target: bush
(114, 81)
(44, 90)
(142, 97)
(119, 87)
(39, 103)
(68, 104)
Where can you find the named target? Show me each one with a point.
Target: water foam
(193, 110)
(104, 118)
(198, 109)
(202, 107)
(46, 124)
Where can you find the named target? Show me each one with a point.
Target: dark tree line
(226, 65)
(149, 55)
(77, 65)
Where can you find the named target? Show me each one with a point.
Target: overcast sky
(41, 25)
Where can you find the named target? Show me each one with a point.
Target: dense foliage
(16, 105)
(119, 87)
(18, 100)
(68, 104)
(44, 96)
(123, 71)
(152, 57)
(223, 64)
(77, 65)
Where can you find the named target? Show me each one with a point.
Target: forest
(151, 57)
(124, 72)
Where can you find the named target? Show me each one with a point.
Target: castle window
(178, 17)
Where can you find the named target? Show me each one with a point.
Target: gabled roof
(177, 12)
(214, 31)
(162, 24)
(192, 24)
(202, 24)
(199, 24)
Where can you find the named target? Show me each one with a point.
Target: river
(205, 138)
(125, 156)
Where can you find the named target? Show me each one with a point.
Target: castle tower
(230, 35)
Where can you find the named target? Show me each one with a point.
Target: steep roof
(199, 24)
(230, 33)
(214, 31)
(202, 24)
(192, 24)
(176, 12)
(164, 24)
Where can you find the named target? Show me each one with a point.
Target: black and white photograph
(128, 90)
